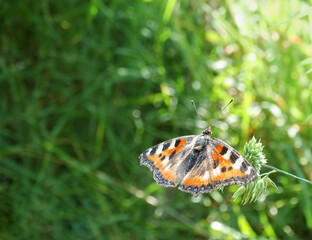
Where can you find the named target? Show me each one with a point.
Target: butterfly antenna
(198, 113)
(221, 112)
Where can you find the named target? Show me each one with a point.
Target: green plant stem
(289, 174)
(268, 173)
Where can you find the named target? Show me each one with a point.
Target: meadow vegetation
(86, 86)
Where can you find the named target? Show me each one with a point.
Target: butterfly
(198, 163)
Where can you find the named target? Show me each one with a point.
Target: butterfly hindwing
(198, 173)
(166, 160)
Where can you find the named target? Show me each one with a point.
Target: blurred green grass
(87, 86)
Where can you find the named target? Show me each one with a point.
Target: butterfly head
(207, 131)
(203, 139)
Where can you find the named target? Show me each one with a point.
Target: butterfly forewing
(167, 160)
(229, 167)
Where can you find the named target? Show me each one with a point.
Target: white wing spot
(227, 155)
(172, 144)
(159, 149)
(216, 171)
(148, 152)
(248, 170)
(238, 163)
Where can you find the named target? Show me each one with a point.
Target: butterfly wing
(229, 167)
(168, 160)
(215, 165)
(198, 177)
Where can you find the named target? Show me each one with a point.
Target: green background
(86, 86)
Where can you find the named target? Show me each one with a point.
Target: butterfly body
(198, 163)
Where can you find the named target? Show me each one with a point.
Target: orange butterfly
(198, 163)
